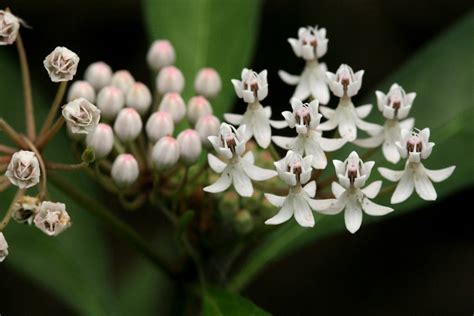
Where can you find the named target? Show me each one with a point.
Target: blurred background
(421, 263)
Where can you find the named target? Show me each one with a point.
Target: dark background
(422, 263)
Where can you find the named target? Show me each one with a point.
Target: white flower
(230, 143)
(165, 153)
(394, 106)
(160, 54)
(9, 26)
(169, 79)
(305, 117)
(110, 101)
(295, 172)
(159, 124)
(253, 87)
(350, 196)
(125, 170)
(189, 146)
(310, 45)
(98, 74)
(139, 97)
(81, 116)
(128, 124)
(81, 89)
(52, 218)
(23, 169)
(101, 139)
(208, 82)
(346, 117)
(415, 146)
(123, 80)
(61, 64)
(3, 247)
(198, 106)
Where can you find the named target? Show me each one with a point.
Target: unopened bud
(173, 103)
(165, 153)
(61, 64)
(160, 54)
(25, 209)
(81, 89)
(128, 124)
(208, 82)
(243, 222)
(159, 124)
(198, 106)
(123, 80)
(206, 126)
(189, 146)
(98, 74)
(101, 140)
(125, 170)
(3, 247)
(110, 101)
(52, 218)
(170, 79)
(139, 98)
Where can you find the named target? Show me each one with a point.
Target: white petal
(337, 189)
(326, 112)
(404, 188)
(390, 152)
(330, 124)
(370, 142)
(372, 189)
(310, 188)
(288, 78)
(363, 110)
(424, 187)
(319, 158)
(222, 184)
(257, 173)
(290, 118)
(380, 99)
(331, 144)
(278, 124)
(347, 126)
(262, 130)
(353, 216)
(319, 89)
(284, 142)
(237, 87)
(440, 174)
(338, 166)
(327, 206)
(391, 175)
(249, 157)
(371, 128)
(284, 214)
(302, 89)
(375, 209)
(302, 211)
(234, 119)
(295, 45)
(215, 163)
(275, 200)
(407, 124)
(241, 181)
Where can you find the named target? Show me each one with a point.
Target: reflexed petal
(337, 189)
(241, 181)
(262, 130)
(284, 214)
(288, 78)
(310, 188)
(278, 124)
(390, 152)
(222, 184)
(347, 126)
(407, 124)
(327, 206)
(391, 175)
(353, 216)
(319, 158)
(372, 189)
(302, 89)
(249, 157)
(440, 174)
(319, 89)
(284, 142)
(234, 119)
(331, 144)
(215, 163)
(257, 173)
(370, 142)
(424, 187)
(404, 187)
(326, 112)
(363, 110)
(375, 209)
(370, 128)
(302, 211)
(275, 200)
(330, 124)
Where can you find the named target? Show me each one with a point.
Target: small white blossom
(128, 124)
(81, 116)
(125, 170)
(52, 218)
(198, 106)
(160, 54)
(310, 45)
(3, 247)
(98, 74)
(253, 87)
(101, 139)
(23, 169)
(415, 146)
(61, 64)
(9, 26)
(25, 209)
(165, 153)
(346, 117)
(81, 89)
(170, 79)
(305, 118)
(208, 83)
(139, 97)
(123, 80)
(207, 125)
(350, 194)
(189, 146)
(239, 170)
(110, 101)
(159, 124)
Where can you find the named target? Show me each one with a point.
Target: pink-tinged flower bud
(110, 101)
(52, 218)
(208, 82)
(3, 246)
(101, 139)
(139, 97)
(23, 169)
(9, 26)
(160, 54)
(123, 80)
(128, 124)
(173, 103)
(125, 170)
(206, 126)
(81, 89)
(198, 106)
(165, 153)
(61, 64)
(98, 74)
(169, 79)
(159, 124)
(81, 116)
(189, 146)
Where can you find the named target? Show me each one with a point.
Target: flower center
(296, 168)
(303, 116)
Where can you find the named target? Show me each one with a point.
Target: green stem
(54, 107)
(8, 215)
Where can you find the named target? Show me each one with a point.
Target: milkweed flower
(9, 27)
(81, 116)
(61, 64)
(52, 218)
(160, 54)
(23, 169)
(415, 146)
(98, 74)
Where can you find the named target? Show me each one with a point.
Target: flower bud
(123, 80)
(139, 97)
(81, 116)
(23, 169)
(206, 126)
(165, 153)
(110, 101)
(81, 89)
(9, 26)
(52, 218)
(98, 74)
(3, 244)
(61, 64)
(208, 82)
(169, 79)
(125, 170)
(128, 124)
(243, 222)
(189, 146)
(25, 209)
(101, 140)
(160, 54)
(173, 103)
(198, 106)
(159, 124)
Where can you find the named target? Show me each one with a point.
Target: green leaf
(441, 75)
(218, 302)
(207, 33)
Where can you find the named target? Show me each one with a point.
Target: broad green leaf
(441, 75)
(207, 33)
(217, 302)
